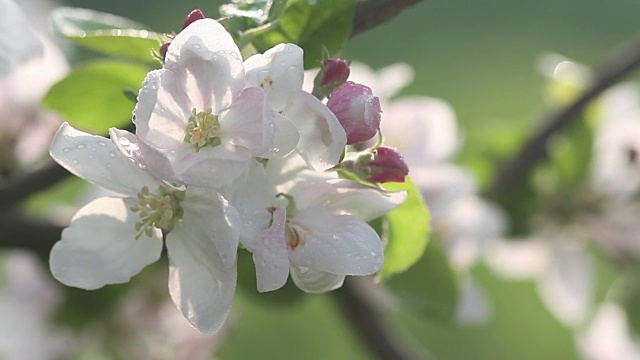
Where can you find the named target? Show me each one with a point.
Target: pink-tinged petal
(270, 254)
(346, 197)
(279, 71)
(342, 245)
(100, 246)
(322, 138)
(209, 216)
(315, 281)
(208, 64)
(285, 138)
(211, 167)
(97, 160)
(163, 110)
(200, 286)
(155, 161)
(249, 122)
(251, 194)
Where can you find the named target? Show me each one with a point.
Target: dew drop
(81, 146)
(66, 150)
(74, 161)
(292, 67)
(373, 253)
(101, 143)
(197, 46)
(112, 155)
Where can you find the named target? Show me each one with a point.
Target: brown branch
(535, 149)
(371, 13)
(19, 231)
(366, 319)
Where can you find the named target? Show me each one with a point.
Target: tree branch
(371, 13)
(19, 231)
(365, 317)
(535, 149)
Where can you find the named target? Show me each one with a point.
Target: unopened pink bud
(387, 165)
(357, 109)
(193, 16)
(335, 72)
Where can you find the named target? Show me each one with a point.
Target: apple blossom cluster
(227, 153)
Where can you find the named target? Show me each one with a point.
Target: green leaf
(408, 230)
(428, 288)
(106, 33)
(311, 24)
(91, 97)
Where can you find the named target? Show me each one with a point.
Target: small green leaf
(408, 230)
(311, 24)
(428, 288)
(90, 97)
(106, 33)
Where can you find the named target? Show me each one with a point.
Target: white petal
(207, 215)
(608, 336)
(322, 138)
(291, 174)
(518, 259)
(18, 42)
(208, 63)
(384, 83)
(249, 122)
(155, 161)
(286, 137)
(568, 284)
(348, 197)
(99, 247)
(315, 281)
(434, 132)
(199, 285)
(210, 167)
(251, 194)
(279, 71)
(270, 254)
(342, 245)
(97, 160)
(163, 110)
(473, 305)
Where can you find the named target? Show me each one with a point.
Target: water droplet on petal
(81, 146)
(373, 253)
(66, 150)
(101, 143)
(112, 155)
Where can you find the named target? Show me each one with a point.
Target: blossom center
(293, 236)
(156, 210)
(203, 129)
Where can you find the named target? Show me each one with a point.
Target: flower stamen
(156, 210)
(203, 129)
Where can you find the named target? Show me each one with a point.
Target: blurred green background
(480, 56)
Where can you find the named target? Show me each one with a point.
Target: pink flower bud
(193, 16)
(357, 109)
(335, 72)
(387, 165)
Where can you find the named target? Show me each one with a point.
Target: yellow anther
(156, 210)
(203, 129)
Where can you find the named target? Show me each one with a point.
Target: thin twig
(365, 317)
(535, 149)
(19, 231)
(371, 13)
